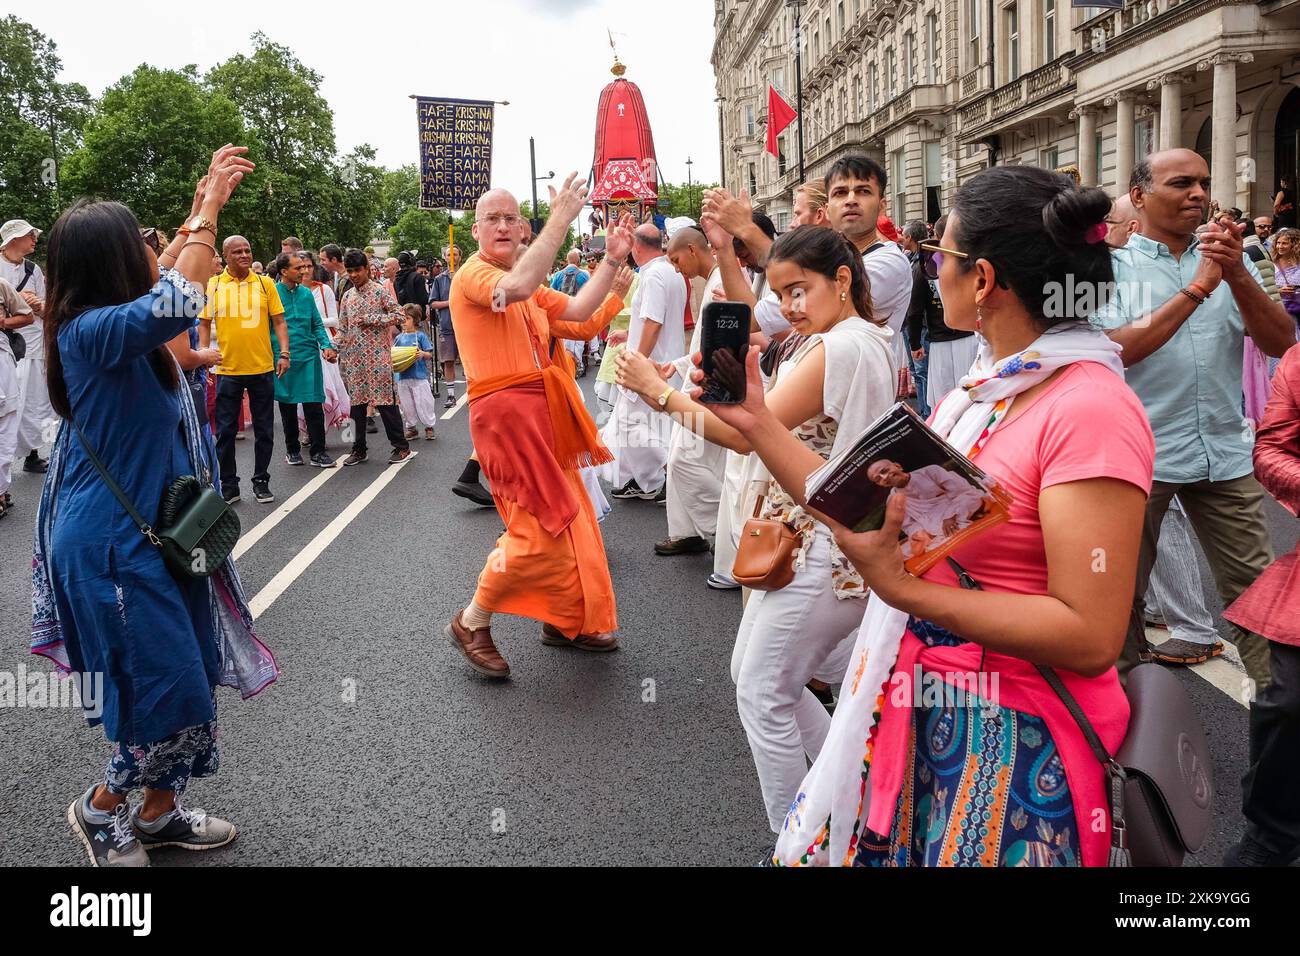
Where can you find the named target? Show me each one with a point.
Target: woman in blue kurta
(304, 383)
(104, 603)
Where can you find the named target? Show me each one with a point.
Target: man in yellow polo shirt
(247, 310)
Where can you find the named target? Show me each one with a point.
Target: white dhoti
(10, 415)
(591, 481)
(695, 472)
(638, 438)
(949, 361)
(416, 398)
(37, 423)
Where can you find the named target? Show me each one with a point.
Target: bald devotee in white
(695, 466)
(37, 422)
(637, 435)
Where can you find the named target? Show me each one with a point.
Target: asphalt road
(379, 746)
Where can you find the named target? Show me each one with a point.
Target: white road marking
(1224, 673)
(267, 524)
(304, 558)
(457, 407)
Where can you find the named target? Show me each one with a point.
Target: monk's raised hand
(568, 201)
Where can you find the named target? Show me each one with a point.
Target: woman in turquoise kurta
(304, 383)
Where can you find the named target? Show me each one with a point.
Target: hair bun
(1073, 212)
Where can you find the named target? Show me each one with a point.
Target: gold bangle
(199, 242)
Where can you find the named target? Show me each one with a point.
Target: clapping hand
(618, 241)
(733, 213)
(622, 282)
(638, 374)
(1221, 244)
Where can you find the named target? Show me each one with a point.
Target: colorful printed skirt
(986, 787)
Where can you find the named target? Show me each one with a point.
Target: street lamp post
(532, 158)
(798, 75)
(690, 188)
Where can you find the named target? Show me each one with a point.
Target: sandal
(1182, 653)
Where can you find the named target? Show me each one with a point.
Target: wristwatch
(663, 399)
(198, 224)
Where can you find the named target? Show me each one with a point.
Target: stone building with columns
(937, 90)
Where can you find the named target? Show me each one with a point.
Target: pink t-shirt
(1087, 424)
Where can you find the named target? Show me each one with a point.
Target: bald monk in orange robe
(532, 432)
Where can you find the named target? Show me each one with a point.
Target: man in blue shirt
(1182, 306)
(569, 280)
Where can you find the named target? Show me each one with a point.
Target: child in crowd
(413, 383)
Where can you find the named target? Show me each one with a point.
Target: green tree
(399, 191)
(298, 182)
(40, 123)
(544, 212)
(683, 199)
(150, 140)
(423, 230)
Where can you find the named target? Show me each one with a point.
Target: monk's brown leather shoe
(554, 637)
(479, 650)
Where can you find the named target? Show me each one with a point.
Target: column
(1171, 108)
(1087, 148)
(1123, 103)
(1223, 125)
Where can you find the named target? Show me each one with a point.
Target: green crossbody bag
(197, 530)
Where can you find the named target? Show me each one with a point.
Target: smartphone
(724, 343)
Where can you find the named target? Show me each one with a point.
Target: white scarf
(834, 796)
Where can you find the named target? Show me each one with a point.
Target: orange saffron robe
(550, 563)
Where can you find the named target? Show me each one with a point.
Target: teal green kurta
(304, 382)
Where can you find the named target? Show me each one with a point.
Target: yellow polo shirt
(241, 311)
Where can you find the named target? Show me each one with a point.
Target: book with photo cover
(949, 500)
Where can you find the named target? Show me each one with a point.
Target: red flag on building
(780, 114)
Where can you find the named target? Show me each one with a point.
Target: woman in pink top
(948, 747)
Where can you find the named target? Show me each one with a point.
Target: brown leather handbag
(765, 558)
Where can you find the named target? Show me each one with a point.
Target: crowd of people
(1117, 430)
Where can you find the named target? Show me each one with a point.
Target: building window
(778, 79)
(749, 121)
(891, 64)
(933, 68)
(817, 43)
(875, 87)
(897, 177)
(973, 22)
(753, 180)
(1013, 43)
(780, 155)
(841, 17)
(933, 181)
(909, 58)
(830, 37)
(1049, 158)
(857, 97)
(844, 105)
(1049, 30)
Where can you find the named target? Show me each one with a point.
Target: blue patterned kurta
(986, 787)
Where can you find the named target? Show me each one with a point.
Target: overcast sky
(549, 58)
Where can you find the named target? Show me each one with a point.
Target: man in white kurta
(939, 502)
(695, 466)
(37, 421)
(637, 435)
